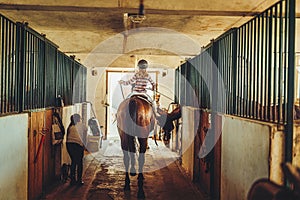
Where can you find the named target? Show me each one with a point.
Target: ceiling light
(140, 17)
(137, 19)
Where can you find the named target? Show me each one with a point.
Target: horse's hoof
(140, 176)
(132, 172)
(141, 194)
(126, 187)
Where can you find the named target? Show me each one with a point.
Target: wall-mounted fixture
(140, 16)
(94, 72)
(164, 73)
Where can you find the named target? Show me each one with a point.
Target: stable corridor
(104, 176)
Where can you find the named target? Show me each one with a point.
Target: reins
(122, 90)
(160, 93)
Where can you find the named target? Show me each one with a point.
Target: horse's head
(166, 119)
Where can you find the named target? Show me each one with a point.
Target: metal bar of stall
(225, 76)
(12, 75)
(44, 91)
(8, 76)
(5, 97)
(228, 69)
(275, 65)
(2, 64)
(227, 72)
(234, 70)
(261, 67)
(245, 71)
(266, 79)
(239, 72)
(258, 61)
(225, 69)
(285, 52)
(21, 62)
(40, 78)
(220, 68)
(280, 63)
(269, 68)
(13, 82)
(203, 97)
(248, 67)
(242, 73)
(291, 82)
(255, 67)
(27, 70)
(17, 67)
(34, 81)
(245, 97)
(31, 71)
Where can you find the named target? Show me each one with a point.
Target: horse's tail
(133, 113)
(132, 109)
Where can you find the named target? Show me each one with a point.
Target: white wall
(190, 115)
(166, 86)
(96, 89)
(14, 157)
(296, 146)
(244, 157)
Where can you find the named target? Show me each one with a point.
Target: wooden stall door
(41, 161)
(208, 169)
(202, 165)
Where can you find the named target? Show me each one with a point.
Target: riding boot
(73, 180)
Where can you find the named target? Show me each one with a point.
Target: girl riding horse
(136, 119)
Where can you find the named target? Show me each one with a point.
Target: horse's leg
(132, 150)
(141, 193)
(142, 151)
(124, 145)
(126, 164)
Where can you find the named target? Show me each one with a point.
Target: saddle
(140, 96)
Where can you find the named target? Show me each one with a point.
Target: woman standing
(76, 136)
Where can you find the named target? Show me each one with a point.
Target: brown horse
(265, 189)
(135, 119)
(165, 120)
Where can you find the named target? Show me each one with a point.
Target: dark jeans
(76, 153)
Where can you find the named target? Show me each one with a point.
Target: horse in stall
(265, 189)
(165, 120)
(136, 119)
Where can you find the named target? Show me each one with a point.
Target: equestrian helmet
(142, 64)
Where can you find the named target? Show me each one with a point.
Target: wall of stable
(246, 151)
(13, 156)
(24, 170)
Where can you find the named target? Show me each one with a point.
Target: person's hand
(121, 81)
(154, 87)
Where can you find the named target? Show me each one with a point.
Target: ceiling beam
(24, 7)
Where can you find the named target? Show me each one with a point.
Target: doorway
(116, 93)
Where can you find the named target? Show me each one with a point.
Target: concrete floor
(104, 176)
